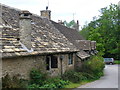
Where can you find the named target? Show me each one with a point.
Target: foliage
(55, 83)
(94, 67)
(37, 77)
(40, 80)
(33, 86)
(117, 61)
(51, 83)
(75, 85)
(13, 82)
(104, 30)
(72, 76)
(90, 70)
(70, 24)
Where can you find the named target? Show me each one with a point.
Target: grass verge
(117, 61)
(75, 85)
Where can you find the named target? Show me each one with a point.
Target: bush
(71, 76)
(40, 80)
(74, 76)
(90, 70)
(51, 83)
(88, 76)
(13, 82)
(94, 66)
(33, 86)
(37, 77)
(56, 82)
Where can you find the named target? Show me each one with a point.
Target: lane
(109, 80)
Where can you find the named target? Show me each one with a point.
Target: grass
(117, 61)
(75, 85)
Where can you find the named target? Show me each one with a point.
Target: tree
(105, 31)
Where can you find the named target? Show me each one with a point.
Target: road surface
(109, 80)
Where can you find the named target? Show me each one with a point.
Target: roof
(84, 44)
(45, 37)
(73, 36)
(82, 54)
(69, 33)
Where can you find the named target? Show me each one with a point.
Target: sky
(82, 10)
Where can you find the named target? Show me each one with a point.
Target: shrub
(94, 66)
(37, 77)
(56, 82)
(40, 80)
(88, 76)
(13, 82)
(50, 83)
(72, 76)
(33, 86)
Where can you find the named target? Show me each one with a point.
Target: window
(70, 59)
(47, 63)
(51, 62)
(54, 62)
(26, 14)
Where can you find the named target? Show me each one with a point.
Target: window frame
(50, 62)
(54, 61)
(70, 59)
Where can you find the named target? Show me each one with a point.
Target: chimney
(25, 29)
(46, 13)
(60, 22)
(77, 25)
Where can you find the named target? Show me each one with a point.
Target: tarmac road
(109, 80)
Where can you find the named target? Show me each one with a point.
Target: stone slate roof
(73, 36)
(82, 54)
(85, 44)
(45, 37)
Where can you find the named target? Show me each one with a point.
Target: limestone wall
(21, 66)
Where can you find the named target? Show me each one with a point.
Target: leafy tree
(105, 31)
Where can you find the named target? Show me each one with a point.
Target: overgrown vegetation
(13, 82)
(41, 80)
(90, 70)
(104, 29)
(94, 66)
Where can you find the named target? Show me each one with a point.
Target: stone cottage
(73, 36)
(30, 41)
(86, 47)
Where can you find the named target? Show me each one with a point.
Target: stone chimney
(60, 22)
(46, 13)
(77, 25)
(25, 29)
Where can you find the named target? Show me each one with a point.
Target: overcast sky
(84, 10)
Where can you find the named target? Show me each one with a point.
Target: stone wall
(78, 63)
(21, 66)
